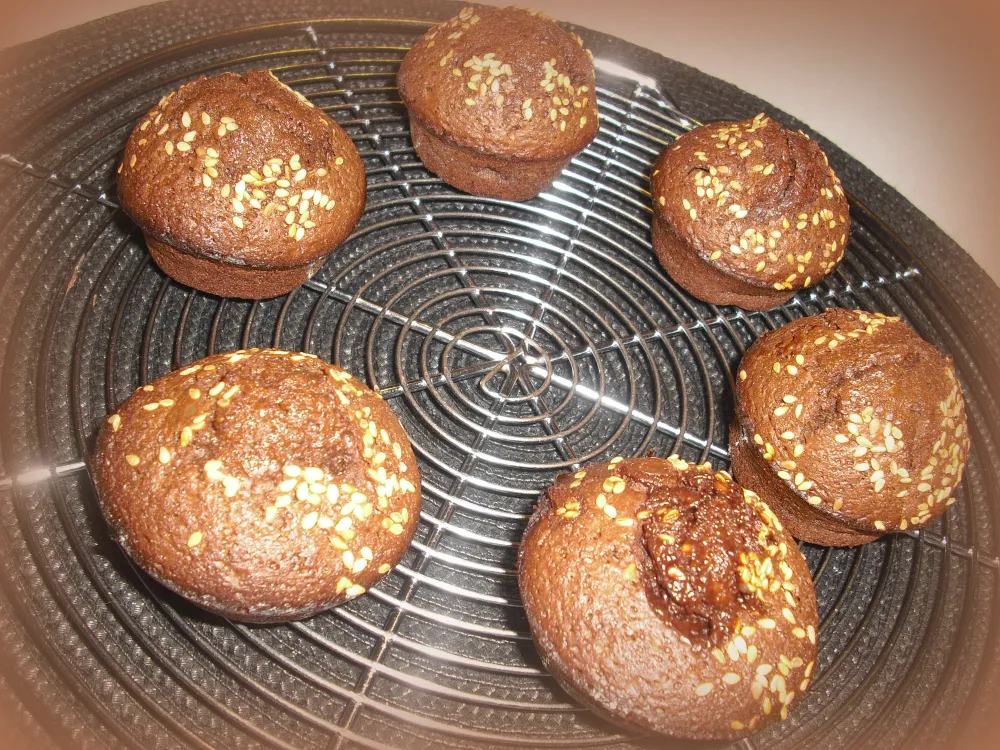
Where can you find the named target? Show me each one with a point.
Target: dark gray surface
(45, 88)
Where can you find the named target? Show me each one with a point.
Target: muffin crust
(262, 485)
(747, 213)
(499, 100)
(850, 426)
(244, 174)
(665, 596)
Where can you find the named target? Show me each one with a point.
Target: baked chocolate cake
(747, 213)
(500, 99)
(241, 185)
(665, 596)
(262, 485)
(850, 426)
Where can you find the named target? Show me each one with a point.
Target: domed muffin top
(861, 416)
(261, 484)
(754, 199)
(242, 169)
(505, 81)
(668, 596)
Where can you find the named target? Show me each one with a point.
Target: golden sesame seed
(195, 539)
(132, 459)
(704, 689)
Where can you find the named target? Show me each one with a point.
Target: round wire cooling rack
(514, 341)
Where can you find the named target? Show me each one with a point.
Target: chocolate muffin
(500, 99)
(241, 185)
(262, 485)
(665, 596)
(747, 213)
(850, 426)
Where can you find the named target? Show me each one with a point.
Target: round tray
(514, 341)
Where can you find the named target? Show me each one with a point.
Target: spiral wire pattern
(514, 341)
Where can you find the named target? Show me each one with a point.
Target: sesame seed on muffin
(262, 485)
(500, 99)
(850, 426)
(747, 213)
(241, 185)
(665, 596)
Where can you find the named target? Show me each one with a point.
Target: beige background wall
(909, 88)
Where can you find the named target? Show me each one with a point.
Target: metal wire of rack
(514, 341)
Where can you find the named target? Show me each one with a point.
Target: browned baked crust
(262, 485)
(850, 426)
(665, 596)
(245, 172)
(500, 99)
(747, 213)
